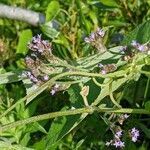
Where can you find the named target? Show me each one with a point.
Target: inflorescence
(96, 40)
(39, 49)
(117, 142)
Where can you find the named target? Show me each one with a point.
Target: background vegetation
(68, 22)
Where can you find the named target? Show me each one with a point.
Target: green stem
(112, 97)
(145, 72)
(101, 84)
(146, 89)
(49, 83)
(72, 112)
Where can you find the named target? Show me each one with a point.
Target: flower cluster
(117, 140)
(129, 51)
(40, 46)
(134, 134)
(39, 52)
(99, 33)
(96, 40)
(107, 68)
(118, 133)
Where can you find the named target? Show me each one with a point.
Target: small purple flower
(46, 77)
(118, 143)
(134, 134)
(141, 48)
(118, 134)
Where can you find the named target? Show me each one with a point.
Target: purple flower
(39, 45)
(46, 77)
(141, 48)
(118, 143)
(134, 134)
(118, 134)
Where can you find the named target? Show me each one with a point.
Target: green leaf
(30, 87)
(63, 125)
(141, 33)
(6, 145)
(147, 105)
(24, 37)
(49, 31)
(110, 3)
(10, 77)
(105, 91)
(52, 9)
(145, 129)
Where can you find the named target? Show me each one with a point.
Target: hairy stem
(88, 110)
(49, 83)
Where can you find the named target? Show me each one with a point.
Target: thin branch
(16, 13)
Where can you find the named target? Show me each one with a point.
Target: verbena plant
(99, 83)
(95, 96)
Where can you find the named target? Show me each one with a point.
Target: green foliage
(87, 103)
(140, 33)
(52, 10)
(24, 38)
